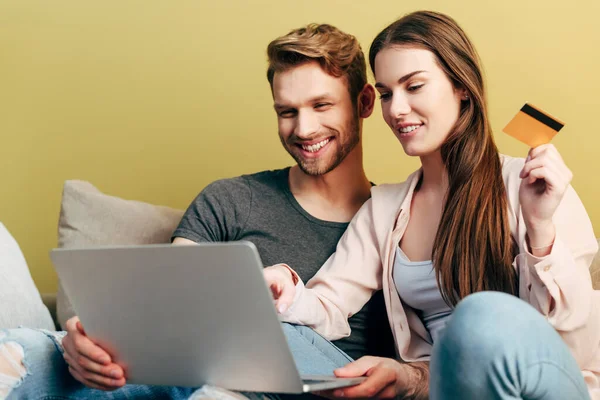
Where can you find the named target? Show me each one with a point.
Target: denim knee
(17, 349)
(482, 322)
(12, 366)
(494, 313)
(496, 343)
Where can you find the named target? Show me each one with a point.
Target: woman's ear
(463, 93)
(366, 101)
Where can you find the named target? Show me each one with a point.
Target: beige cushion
(20, 301)
(90, 217)
(595, 270)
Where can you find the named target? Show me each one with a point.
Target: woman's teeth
(409, 128)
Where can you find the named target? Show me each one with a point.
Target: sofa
(89, 217)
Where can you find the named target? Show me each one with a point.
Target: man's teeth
(409, 128)
(313, 148)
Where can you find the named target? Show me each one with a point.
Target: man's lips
(314, 146)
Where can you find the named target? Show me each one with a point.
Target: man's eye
(286, 113)
(322, 105)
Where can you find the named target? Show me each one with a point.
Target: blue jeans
(47, 375)
(497, 346)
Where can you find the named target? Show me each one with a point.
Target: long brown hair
(473, 248)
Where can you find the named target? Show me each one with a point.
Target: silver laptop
(185, 315)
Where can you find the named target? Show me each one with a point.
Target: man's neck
(335, 196)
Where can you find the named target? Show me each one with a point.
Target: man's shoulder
(245, 191)
(267, 184)
(225, 186)
(268, 177)
(247, 182)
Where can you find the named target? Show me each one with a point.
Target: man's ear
(366, 101)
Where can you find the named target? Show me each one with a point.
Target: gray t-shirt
(260, 208)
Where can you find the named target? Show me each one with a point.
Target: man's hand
(88, 363)
(386, 379)
(280, 280)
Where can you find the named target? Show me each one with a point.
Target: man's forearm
(418, 382)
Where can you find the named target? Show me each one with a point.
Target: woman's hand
(386, 379)
(280, 280)
(545, 179)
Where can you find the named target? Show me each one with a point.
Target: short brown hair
(338, 53)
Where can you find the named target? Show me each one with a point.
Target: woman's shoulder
(393, 193)
(387, 199)
(382, 209)
(511, 163)
(511, 169)
(388, 191)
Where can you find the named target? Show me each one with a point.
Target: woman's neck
(435, 175)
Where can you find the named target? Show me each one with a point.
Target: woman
(470, 220)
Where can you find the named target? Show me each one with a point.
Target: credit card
(533, 126)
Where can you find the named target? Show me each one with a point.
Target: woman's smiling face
(418, 101)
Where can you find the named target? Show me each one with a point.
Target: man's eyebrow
(321, 97)
(325, 96)
(401, 80)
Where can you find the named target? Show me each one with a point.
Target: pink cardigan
(364, 259)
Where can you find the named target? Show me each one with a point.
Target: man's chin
(317, 166)
(316, 169)
(311, 170)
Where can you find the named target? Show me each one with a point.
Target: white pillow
(20, 301)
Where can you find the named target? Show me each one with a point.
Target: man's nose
(307, 125)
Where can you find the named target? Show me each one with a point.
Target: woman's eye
(414, 88)
(385, 96)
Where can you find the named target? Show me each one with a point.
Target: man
(294, 215)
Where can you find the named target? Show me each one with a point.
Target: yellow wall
(152, 100)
